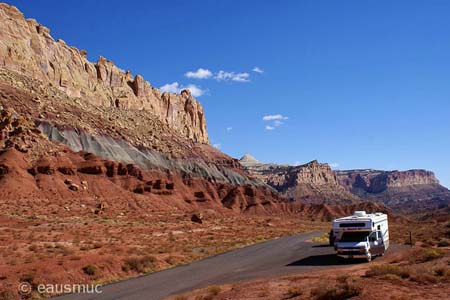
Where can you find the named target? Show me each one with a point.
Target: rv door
(376, 243)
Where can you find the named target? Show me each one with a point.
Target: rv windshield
(354, 236)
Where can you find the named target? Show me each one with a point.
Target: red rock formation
(310, 183)
(403, 190)
(48, 177)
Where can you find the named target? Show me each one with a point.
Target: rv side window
(380, 236)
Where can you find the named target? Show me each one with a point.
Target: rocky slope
(309, 183)
(410, 190)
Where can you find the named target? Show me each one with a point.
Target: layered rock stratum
(403, 190)
(312, 182)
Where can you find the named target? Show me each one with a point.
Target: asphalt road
(287, 255)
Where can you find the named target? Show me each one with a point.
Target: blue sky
(359, 84)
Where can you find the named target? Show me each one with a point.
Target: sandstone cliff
(74, 129)
(310, 183)
(403, 190)
(27, 47)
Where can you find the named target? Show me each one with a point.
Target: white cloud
(258, 70)
(195, 90)
(199, 74)
(218, 145)
(227, 76)
(274, 117)
(334, 165)
(278, 123)
(229, 129)
(276, 120)
(175, 87)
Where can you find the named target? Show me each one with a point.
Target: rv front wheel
(369, 257)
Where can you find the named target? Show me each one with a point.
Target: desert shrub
(321, 239)
(293, 292)
(171, 260)
(181, 298)
(392, 278)
(90, 270)
(342, 278)
(423, 277)
(28, 277)
(430, 254)
(33, 248)
(214, 290)
(66, 251)
(380, 270)
(341, 291)
(139, 264)
(97, 246)
(428, 243)
(8, 295)
(440, 271)
(443, 243)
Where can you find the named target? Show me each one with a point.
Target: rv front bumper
(354, 255)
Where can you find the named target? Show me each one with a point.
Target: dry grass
(424, 266)
(388, 269)
(214, 290)
(293, 292)
(427, 254)
(342, 289)
(324, 238)
(139, 264)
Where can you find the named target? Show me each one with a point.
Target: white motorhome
(360, 235)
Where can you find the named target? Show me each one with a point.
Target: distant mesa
(314, 182)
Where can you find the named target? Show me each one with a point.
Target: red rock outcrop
(27, 47)
(410, 190)
(310, 183)
(40, 176)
